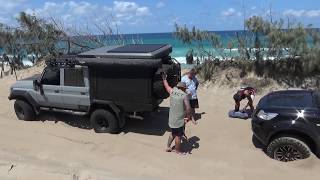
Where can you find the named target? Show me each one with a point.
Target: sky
(151, 16)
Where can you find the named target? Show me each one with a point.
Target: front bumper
(259, 132)
(10, 97)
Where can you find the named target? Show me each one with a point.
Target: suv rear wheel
(24, 111)
(288, 149)
(103, 121)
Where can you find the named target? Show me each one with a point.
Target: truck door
(75, 88)
(50, 81)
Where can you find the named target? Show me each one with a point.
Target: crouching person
(243, 93)
(179, 114)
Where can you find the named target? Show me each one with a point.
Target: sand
(63, 146)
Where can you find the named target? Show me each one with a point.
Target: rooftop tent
(144, 55)
(131, 51)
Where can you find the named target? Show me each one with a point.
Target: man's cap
(181, 85)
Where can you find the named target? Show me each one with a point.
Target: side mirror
(36, 84)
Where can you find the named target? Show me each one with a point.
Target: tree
(198, 41)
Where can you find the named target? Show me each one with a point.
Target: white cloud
(230, 12)
(59, 9)
(81, 7)
(302, 13)
(4, 20)
(10, 4)
(125, 12)
(129, 9)
(80, 12)
(160, 5)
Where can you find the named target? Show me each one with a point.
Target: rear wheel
(24, 111)
(103, 121)
(288, 149)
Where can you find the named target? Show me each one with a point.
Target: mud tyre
(103, 121)
(288, 149)
(24, 110)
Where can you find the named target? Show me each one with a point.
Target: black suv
(287, 123)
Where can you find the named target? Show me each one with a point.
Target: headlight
(266, 116)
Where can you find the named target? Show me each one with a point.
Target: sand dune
(63, 146)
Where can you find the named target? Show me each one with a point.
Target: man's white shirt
(191, 86)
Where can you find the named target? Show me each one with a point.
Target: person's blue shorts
(178, 131)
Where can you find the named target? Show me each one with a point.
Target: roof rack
(64, 61)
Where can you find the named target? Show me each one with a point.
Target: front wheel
(103, 121)
(288, 149)
(24, 111)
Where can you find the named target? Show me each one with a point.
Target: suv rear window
(290, 100)
(73, 77)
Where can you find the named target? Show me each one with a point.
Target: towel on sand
(238, 114)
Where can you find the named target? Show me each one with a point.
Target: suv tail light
(266, 116)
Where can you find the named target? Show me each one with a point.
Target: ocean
(179, 48)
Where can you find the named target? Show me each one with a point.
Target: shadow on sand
(198, 116)
(190, 144)
(155, 123)
(79, 121)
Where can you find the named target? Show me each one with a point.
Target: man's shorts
(237, 97)
(194, 103)
(178, 131)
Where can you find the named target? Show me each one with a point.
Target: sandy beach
(62, 146)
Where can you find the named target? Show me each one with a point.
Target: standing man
(192, 84)
(179, 113)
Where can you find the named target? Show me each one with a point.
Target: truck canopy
(130, 51)
(138, 55)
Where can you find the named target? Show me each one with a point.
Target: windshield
(299, 100)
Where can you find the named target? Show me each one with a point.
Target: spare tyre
(173, 77)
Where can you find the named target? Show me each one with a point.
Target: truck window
(51, 77)
(74, 77)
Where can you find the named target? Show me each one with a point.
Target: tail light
(266, 115)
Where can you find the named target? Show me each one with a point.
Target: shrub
(288, 53)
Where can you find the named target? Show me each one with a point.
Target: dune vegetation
(287, 53)
(273, 51)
